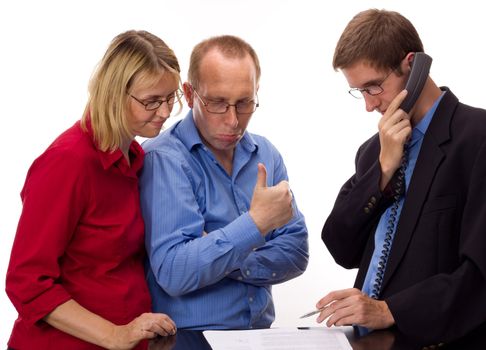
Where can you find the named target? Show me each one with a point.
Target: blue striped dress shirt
(221, 280)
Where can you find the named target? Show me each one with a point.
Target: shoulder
(370, 147)
(165, 142)
(262, 143)
(475, 117)
(65, 165)
(468, 125)
(72, 149)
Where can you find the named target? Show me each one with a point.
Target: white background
(50, 48)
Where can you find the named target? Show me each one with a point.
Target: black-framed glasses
(371, 90)
(221, 107)
(152, 105)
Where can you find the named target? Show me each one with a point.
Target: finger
(284, 187)
(399, 131)
(388, 121)
(168, 324)
(325, 313)
(336, 295)
(335, 307)
(347, 321)
(395, 104)
(261, 176)
(340, 315)
(405, 134)
(162, 329)
(169, 327)
(148, 334)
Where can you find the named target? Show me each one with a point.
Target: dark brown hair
(379, 37)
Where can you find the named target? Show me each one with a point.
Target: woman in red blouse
(76, 274)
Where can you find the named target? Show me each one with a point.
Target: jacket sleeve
(357, 209)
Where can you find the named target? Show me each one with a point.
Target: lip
(157, 125)
(228, 137)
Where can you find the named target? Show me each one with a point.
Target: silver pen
(311, 313)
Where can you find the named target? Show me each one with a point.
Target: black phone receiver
(420, 71)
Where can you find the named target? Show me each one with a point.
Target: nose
(231, 116)
(371, 102)
(163, 111)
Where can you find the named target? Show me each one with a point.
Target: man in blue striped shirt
(222, 225)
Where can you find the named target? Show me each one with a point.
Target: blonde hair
(132, 57)
(229, 45)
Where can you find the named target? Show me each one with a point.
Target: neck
(429, 95)
(225, 158)
(125, 148)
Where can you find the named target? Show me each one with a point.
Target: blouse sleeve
(53, 198)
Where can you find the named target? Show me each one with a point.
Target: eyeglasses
(152, 105)
(371, 90)
(242, 107)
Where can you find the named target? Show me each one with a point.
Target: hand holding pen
(352, 307)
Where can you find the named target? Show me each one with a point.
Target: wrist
(388, 319)
(258, 223)
(109, 340)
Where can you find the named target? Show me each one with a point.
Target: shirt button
(248, 272)
(274, 274)
(370, 205)
(373, 199)
(251, 300)
(366, 210)
(240, 278)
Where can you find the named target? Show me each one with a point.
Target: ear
(406, 64)
(188, 94)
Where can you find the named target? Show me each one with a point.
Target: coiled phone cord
(390, 230)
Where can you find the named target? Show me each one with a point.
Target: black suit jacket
(435, 280)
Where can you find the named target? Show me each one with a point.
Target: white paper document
(279, 338)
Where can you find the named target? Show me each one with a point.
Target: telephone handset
(420, 71)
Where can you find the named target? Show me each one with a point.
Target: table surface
(377, 340)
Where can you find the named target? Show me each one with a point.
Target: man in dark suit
(413, 216)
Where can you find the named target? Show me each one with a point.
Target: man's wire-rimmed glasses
(371, 90)
(221, 107)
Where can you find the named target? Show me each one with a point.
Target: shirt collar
(421, 128)
(110, 158)
(186, 131)
(116, 157)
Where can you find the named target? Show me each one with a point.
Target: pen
(311, 313)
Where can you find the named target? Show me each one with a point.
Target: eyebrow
(223, 99)
(373, 82)
(155, 97)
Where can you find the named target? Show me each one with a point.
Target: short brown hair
(381, 38)
(132, 57)
(228, 45)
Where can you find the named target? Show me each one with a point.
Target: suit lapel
(429, 159)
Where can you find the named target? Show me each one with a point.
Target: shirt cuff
(44, 304)
(244, 234)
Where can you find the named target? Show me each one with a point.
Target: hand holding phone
(416, 81)
(391, 149)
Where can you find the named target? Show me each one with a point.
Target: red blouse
(80, 236)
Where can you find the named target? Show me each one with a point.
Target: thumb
(261, 176)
